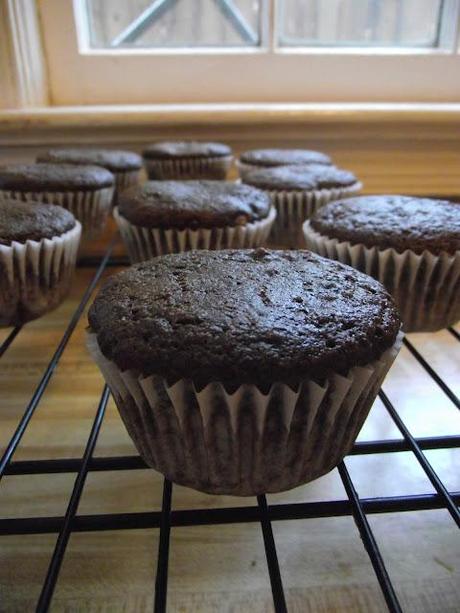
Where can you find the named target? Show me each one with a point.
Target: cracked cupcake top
(54, 177)
(243, 316)
(193, 204)
(22, 221)
(398, 222)
(299, 177)
(185, 149)
(111, 159)
(283, 157)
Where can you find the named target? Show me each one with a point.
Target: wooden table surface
(220, 569)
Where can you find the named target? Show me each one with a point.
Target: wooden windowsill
(220, 116)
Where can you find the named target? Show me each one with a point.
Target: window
(173, 23)
(361, 23)
(202, 51)
(235, 23)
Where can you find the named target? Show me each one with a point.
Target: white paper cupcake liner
(294, 207)
(425, 287)
(189, 168)
(35, 276)
(146, 243)
(247, 442)
(90, 207)
(125, 179)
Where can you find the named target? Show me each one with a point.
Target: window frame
(23, 71)
(79, 75)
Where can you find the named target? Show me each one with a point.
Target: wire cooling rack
(358, 507)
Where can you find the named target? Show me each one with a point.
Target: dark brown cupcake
(187, 160)
(297, 192)
(124, 165)
(270, 158)
(166, 216)
(53, 178)
(22, 221)
(300, 178)
(411, 245)
(86, 191)
(38, 249)
(240, 356)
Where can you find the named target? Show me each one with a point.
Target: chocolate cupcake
(124, 165)
(411, 245)
(297, 192)
(187, 160)
(168, 216)
(86, 191)
(270, 158)
(243, 371)
(38, 250)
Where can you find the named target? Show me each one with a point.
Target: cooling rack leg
(433, 374)
(9, 339)
(41, 387)
(429, 471)
(369, 541)
(64, 535)
(272, 558)
(161, 582)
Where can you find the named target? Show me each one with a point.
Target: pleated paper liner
(425, 287)
(189, 168)
(123, 180)
(145, 243)
(295, 206)
(36, 276)
(246, 442)
(90, 207)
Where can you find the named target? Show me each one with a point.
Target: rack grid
(265, 514)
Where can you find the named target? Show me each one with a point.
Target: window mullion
(449, 27)
(271, 6)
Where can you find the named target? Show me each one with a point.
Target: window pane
(173, 23)
(393, 23)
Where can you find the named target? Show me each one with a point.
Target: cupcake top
(111, 159)
(299, 177)
(239, 316)
(22, 221)
(54, 177)
(398, 222)
(283, 157)
(193, 204)
(185, 149)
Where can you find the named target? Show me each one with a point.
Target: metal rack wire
(263, 513)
